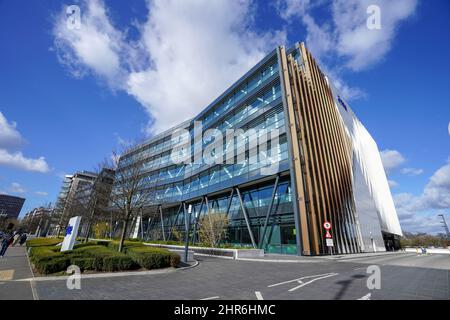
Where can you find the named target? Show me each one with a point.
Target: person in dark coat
(6, 242)
(23, 239)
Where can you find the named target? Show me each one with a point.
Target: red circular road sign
(327, 225)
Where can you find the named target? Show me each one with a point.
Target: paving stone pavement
(16, 261)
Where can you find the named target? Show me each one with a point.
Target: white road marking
(366, 297)
(300, 279)
(34, 290)
(259, 295)
(311, 281)
(210, 298)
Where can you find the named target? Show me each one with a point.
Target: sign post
(71, 234)
(328, 236)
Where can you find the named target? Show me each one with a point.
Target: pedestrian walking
(16, 238)
(7, 240)
(23, 239)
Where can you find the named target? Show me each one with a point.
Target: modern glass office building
(324, 167)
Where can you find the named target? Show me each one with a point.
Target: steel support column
(269, 210)
(162, 223)
(229, 202)
(176, 220)
(196, 219)
(247, 221)
(149, 224)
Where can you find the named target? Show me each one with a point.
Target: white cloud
(346, 42)
(10, 138)
(419, 213)
(392, 183)
(391, 159)
(95, 47)
(17, 188)
(361, 46)
(19, 161)
(437, 191)
(41, 193)
(289, 9)
(187, 54)
(412, 171)
(10, 141)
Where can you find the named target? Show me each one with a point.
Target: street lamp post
(188, 225)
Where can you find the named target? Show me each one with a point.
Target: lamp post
(188, 225)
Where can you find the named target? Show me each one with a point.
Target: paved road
(403, 276)
(12, 267)
(213, 278)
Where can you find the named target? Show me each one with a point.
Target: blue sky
(68, 99)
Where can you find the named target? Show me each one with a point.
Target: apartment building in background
(70, 189)
(10, 206)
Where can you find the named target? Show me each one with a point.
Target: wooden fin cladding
(322, 157)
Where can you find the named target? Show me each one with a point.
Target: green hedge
(53, 265)
(153, 258)
(40, 242)
(38, 254)
(95, 256)
(119, 263)
(114, 245)
(84, 263)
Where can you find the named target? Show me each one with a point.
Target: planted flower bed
(98, 256)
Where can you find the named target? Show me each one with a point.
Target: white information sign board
(71, 234)
(330, 243)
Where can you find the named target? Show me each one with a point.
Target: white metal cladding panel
(368, 157)
(366, 212)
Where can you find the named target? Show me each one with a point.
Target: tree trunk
(122, 236)
(89, 226)
(86, 238)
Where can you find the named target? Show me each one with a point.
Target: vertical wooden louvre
(322, 156)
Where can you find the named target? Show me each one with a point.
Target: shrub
(98, 253)
(53, 265)
(103, 243)
(174, 260)
(42, 254)
(82, 245)
(114, 245)
(93, 256)
(40, 242)
(153, 258)
(119, 262)
(84, 263)
(105, 259)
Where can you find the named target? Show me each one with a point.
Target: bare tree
(130, 193)
(97, 196)
(213, 228)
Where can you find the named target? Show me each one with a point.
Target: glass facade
(319, 160)
(252, 104)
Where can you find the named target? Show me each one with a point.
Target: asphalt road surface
(402, 276)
